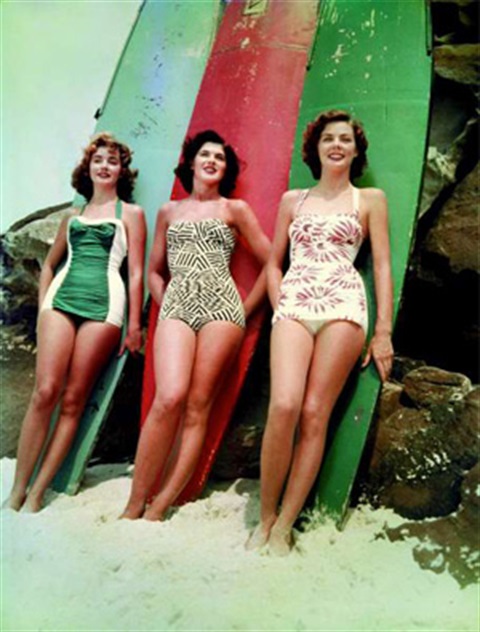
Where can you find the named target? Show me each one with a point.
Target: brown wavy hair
(314, 130)
(81, 180)
(190, 149)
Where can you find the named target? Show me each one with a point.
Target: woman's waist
(204, 281)
(339, 267)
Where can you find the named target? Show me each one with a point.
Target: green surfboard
(148, 106)
(371, 57)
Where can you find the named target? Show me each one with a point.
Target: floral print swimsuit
(322, 283)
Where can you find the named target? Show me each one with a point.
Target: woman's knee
(168, 403)
(284, 408)
(197, 407)
(46, 394)
(283, 412)
(315, 416)
(73, 402)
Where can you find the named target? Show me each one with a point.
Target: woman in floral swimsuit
(320, 315)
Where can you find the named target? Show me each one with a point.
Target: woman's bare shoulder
(292, 195)
(132, 210)
(373, 194)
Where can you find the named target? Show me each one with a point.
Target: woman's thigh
(217, 345)
(338, 346)
(94, 344)
(56, 334)
(174, 354)
(291, 348)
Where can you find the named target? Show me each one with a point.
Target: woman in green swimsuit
(82, 309)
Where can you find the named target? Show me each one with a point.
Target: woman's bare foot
(33, 504)
(280, 542)
(259, 536)
(133, 511)
(16, 500)
(153, 515)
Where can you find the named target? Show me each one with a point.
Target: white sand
(74, 566)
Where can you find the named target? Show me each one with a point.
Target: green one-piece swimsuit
(90, 285)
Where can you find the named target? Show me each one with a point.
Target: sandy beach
(75, 566)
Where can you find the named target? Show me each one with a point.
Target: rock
(459, 62)
(17, 367)
(22, 252)
(456, 233)
(390, 399)
(439, 173)
(403, 365)
(33, 240)
(429, 386)
(239, 455)
(454, 21)
(452, 151)
(418, 455)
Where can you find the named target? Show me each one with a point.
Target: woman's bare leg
(94, 344)
(55, 342)
(337, 348)
(290, 357)
(217, 345)
(174, 355)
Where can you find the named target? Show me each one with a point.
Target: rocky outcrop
(425, 438)
(439, 316)
(455, 235)
(22, 252)
(429, 387)
(460, 62)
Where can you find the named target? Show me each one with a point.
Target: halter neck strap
(118, 208)
(356, 199)
(301, 199)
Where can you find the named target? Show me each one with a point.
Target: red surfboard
(250, 95)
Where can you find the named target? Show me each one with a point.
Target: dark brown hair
(314, 130)
(81, 180)
(192, 146)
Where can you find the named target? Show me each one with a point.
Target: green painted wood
(148, 105)
(371, 57)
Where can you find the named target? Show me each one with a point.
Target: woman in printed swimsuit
(202, 317)
(320, 318)
(82, 309)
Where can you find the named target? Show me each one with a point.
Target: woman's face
(210, 163)
(336, 146)
(105, 166)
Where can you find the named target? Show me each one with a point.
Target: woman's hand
(381, 350)
(247, 224)
(133, 341)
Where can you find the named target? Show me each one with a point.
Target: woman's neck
(202, 192)
(102, 197)
(332, 184)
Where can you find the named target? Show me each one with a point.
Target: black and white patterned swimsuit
(201, 288)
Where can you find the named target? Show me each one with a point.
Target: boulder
(420, 451)
(429, 386)
(456, 233)
(459, 63)
(22, 251)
